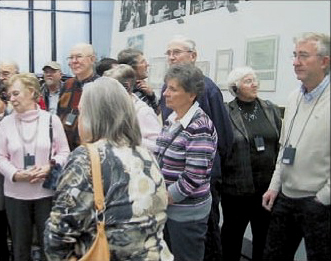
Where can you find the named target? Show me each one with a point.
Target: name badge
(29, 161)
(288, 155)
(259, 143)
(70, 119)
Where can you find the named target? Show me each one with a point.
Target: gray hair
(124, 74)
(188, 76)
(322, 42)
(12, 64)
(107, 112)
(236, 75)
(129, 56)
(185, 41)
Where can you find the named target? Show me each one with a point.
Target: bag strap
(96, 177)
(50, 136)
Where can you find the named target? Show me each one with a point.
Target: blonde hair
(29, 81)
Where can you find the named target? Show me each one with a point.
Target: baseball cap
(53, 65)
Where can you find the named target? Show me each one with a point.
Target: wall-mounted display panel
(261, 55)
(223, 67)
(133, 14)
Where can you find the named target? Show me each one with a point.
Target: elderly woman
(185, 151)
(25, 149)
(149, 124)
(135, 194)
(246, 173)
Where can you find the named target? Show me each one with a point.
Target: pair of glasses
(176, 52)
(302, 56)
(250, 81)
(78, 57)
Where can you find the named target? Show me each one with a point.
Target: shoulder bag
(100, 248)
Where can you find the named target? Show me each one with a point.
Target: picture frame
(262, 55)
(136, 42)
(224, 60)
(157, 69)
(204, 66)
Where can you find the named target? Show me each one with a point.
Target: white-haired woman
(135, 193)
(247, 172)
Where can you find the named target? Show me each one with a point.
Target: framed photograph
(223, 67)
(204, 66)
(133, 14)
(161, 11)
(136, 42)
(157, 70)
(198, 6)
(261, 55)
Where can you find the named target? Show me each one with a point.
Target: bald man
(7, 70)
(81, 61)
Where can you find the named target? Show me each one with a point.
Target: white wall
(219, 29)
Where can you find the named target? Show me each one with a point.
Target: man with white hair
(183, 50)
(81, 61)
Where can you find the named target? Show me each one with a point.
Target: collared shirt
(309, 96)
(185, 120)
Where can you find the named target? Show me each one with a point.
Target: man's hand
(268, 199)
(142, 85)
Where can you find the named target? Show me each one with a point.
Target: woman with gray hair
(246, 173)
(135, 194)
(185, 150)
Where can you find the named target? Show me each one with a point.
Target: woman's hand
(22, 176)
(38, 174)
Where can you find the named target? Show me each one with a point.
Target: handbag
(51, 180)
(99, 250)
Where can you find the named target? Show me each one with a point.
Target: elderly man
(7, 70)
(81, 61)
(137, 61)
(301, 180)
(53, 86)
(182, 50)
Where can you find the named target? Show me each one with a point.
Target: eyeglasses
(302, 56)
(78, 57)
(176, 52)
(250, 81)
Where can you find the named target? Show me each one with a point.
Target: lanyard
(24, 141)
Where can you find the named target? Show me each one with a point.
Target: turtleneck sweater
(28, 132)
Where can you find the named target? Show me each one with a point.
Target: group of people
(166, 164)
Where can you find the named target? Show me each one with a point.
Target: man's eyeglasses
(176, 52)
(302, 56)
(78, 57)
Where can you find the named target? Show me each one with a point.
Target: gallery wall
(220, 29)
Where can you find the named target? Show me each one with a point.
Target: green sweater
(310, 173)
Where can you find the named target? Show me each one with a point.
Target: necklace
(249, 116)
(20, 132)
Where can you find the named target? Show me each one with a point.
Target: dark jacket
(237, 176)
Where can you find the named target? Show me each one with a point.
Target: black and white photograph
(161, 11)
(198, 6)
(133, 14)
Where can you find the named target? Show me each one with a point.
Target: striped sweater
(186, 164)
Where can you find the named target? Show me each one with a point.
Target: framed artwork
(261, 55)
(223, 67)
(198, 6)
(157, 70)
(161, 11)
(136, 42)
(204, 66)
(133, 14)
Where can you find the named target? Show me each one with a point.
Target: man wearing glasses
(81, 61)
(182, 50)
(299, 192)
